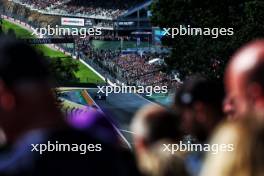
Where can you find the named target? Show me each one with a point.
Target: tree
(204, 54)
(11, 33)
(64, 69)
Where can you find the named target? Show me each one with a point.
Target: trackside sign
(72, 21)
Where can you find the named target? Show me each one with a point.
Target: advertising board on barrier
(72, 21)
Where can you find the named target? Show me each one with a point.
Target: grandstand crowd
(94, 8)
(134, 68)
(41, 4)
(88, 11)
(203, 112)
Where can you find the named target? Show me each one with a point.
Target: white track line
(117, 130)
(127, 131)
(91, 68)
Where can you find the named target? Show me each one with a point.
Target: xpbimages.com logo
(63, 31)
(195, 31)
(123, 89)
(189, 147)
(58, 147)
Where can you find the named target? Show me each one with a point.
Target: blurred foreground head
(153, 123)
(199, 103)
(244, 80)
(160, 163)
(246, 155)
(26, 101)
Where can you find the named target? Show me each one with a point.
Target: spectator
(199, 103)
(247, 156)
(160, 163)
(244, 80)
(152, 124)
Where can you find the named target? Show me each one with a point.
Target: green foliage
(63, 70)
(11, 33)
(194, 54)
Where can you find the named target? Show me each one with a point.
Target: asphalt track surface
(121, 109)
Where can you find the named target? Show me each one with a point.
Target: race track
(121, 109)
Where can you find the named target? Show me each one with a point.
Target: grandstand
(119, 17)
(135, 19)
(94, 8)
